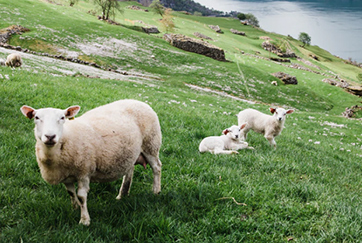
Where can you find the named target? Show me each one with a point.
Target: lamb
(13, 60)
(102, 145)
(229, 140)
(269, 126)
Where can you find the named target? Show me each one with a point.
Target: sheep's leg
(221, 151)
(271, 140)
(83, 188)
(244, 134)
(126, 184)
(73, 195)
(156, 165)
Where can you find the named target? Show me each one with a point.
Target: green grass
(308, 190)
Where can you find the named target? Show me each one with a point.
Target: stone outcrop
(196, 46)
(216, 28)
(151, 30)
(266, 45)
(356, 90)
(202, 36)
(286, 78)
(350, 112)
(236, 32)
(342, 83)
(6, 33)
(133, 7)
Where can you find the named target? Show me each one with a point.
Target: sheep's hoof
(252, 148)
(85, 222)
(235, 152)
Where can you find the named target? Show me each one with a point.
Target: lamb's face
(49, 122)
(280, 113)
(233, 132)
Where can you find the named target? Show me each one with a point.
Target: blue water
(334, 25)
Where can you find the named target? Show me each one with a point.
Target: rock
(11, 30)
(236, 32)
(151, 30)
(202, 36)
(279, 59)
(356, 90)
(216, 28)
(342, 83)
(286, 78)
(272, 48)
(196, 46)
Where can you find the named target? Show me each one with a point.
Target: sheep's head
(234, 131)
(280, 113)
(49, 122)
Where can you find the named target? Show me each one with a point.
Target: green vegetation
(304, 38)
(308, 190)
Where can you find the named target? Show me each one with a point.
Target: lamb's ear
(244, 125)
(272, 110)
(28, 111)
(70, 112)
(290, 111)
(226, 131)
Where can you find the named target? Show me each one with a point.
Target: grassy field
(307, 190)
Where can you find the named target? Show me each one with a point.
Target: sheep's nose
(280, 118)
(50, 137)
(236, 136)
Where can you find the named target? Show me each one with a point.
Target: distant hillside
(186, 5)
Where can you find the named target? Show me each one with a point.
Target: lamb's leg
(83, 188)
(126, 184)
(156, 165)
(221, 151)
(73, 195)
(271, 140)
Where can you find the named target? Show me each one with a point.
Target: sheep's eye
(62, 118)
(36, 118)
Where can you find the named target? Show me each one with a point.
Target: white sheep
(13, 60)
(102, 145)
(228, 143)
(269, 126)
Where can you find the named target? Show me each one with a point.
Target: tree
(167, 21)
(305, 38)
(72, 2)
(241, 16)
(157, 7)
(108, 7)
(252, 19)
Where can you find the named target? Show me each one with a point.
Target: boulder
(11, 30)
(216, 28)
(151, 30)
(202, 36)
(196, 46)
(236, 32)
(342, 83)
(286, 78)
(356, 90)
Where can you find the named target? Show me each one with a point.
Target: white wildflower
(310, 140)
(317, 142)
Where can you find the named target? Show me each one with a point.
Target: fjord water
(334, 25)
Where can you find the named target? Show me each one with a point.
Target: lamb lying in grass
(102, 145)
(228, 143)
(13, 60)
(269, 126)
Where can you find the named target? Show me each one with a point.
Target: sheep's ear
(244, 125)
(272, 110)
(70, 112)
(28, 111)
(226, 131)
(290, 111)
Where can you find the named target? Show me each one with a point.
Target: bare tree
(108, 7)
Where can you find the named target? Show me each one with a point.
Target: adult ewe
(13, 60)
(269, 126)
(100, 146)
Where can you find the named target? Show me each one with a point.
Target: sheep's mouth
(50, 143)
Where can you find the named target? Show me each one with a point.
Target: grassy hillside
(307, 190)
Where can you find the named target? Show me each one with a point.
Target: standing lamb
(102, 145)
(13, 60)
(229, 140)
(269, 126)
